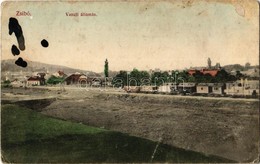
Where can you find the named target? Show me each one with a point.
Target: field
(29, 137)
(223, 127)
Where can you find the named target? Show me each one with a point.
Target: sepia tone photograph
(126, 81)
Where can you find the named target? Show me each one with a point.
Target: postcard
(170, 81)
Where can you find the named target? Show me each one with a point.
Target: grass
(30, 137)
(22, 125)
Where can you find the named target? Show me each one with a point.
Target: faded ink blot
(44, 43)
(17, 29)
(20, 62)
(15, 50)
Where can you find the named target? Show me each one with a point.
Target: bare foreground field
(224, 127)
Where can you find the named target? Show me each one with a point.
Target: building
(82, 79)
(108, 81)
(76, 78)
(59, 74)
(100, 81)
(167, 87)
(148, 89)
(36, 79)
(187, 87)
(218, 88)
(212, 72)
(33, 81)
(41, 76)
(242, 87)
(12, 76)
(204, 88)
(18, 83)
(252, 87)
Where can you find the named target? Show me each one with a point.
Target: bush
(6, 84)
(55, 80)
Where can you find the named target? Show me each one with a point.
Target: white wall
(164, 88)
(202, 89)
(30, 83)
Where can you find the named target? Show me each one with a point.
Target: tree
(207, 78)
(222, 76)
(209, 63)
(218, 65)
(158, 78)
(239, 75)
(247, 65)
(120, 79)
(6, 83)
(138, 76)
(198, 76)
(191, 79)
(106, 68)
(183, 75)
(135, 77)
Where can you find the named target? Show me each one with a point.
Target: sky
(135, 34)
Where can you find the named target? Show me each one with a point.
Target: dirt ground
(224, 127)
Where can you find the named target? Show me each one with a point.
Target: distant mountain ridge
(33, 66)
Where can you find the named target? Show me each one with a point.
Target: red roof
(34, 78)
(212, 72)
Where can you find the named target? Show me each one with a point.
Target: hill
(33, 66)
(251, 71)
(238, 67)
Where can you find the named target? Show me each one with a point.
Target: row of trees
(136, 77)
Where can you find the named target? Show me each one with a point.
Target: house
(252, 87)
(218, 88)
(99, 81)
(76, 78)
(108, 81)
(33, 81)
(41, 76)
(18, 83)
(36, 79)
(59, 74)
(204, 88)
(167, 87)
(234, 88)
(12, 76)
(148, 89)
(94, 81)
(82, 79)
(242, 87)
(187, 87)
